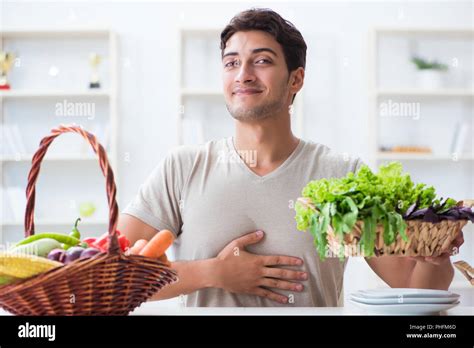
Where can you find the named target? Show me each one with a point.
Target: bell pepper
(102, 243)
(90, 241)
(124, 243)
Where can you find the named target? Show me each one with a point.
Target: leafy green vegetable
(374, 198)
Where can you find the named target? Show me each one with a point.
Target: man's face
(255, 76)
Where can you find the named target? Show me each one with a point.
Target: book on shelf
(106, 137)
(2, 203)
(406, 149)
(12, 141)
(16, 200)
(463, 139)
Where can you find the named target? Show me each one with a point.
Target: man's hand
(239, 271)
(444, 257)
(234, 269)
(417, 272)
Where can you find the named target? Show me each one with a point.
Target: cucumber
(40, 247)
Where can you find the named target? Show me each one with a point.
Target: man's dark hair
(284, 32)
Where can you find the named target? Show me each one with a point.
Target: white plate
(404, 300)
(402, 292)
(405, 309)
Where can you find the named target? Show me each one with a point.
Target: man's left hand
(444, 257)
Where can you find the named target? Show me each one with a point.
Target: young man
(229, 201)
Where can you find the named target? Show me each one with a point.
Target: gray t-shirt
(207, 196)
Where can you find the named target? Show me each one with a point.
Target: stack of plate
(404, 301)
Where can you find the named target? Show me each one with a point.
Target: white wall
(336, 100)
(336, 75)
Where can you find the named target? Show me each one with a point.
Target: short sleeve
(157, 202)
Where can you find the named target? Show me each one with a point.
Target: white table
(156, 308)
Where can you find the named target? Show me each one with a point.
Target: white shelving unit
(47, 157)
(68, 50)
(386, 156)
(452, 174)
(50, 222)
(200, 99)
(448, 93)
(378, 93)
(53, 94)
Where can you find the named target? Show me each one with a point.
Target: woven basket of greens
(375, 214)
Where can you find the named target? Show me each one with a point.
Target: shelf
(202, 92)
(458, 32)
(54, 33)
(28, 158)
(421, 157)
(53, 94)
(201, 31)
(426, 93)
(57, 222)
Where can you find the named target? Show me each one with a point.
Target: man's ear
(297, 80)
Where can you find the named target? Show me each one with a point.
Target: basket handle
(104, 166)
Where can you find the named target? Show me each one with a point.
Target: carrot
(158, 244)
(164, 259)
(138, 246)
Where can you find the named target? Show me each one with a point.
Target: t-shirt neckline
(281, 168)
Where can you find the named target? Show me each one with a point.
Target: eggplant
(73, 254)
(89, 252)
(57, 255)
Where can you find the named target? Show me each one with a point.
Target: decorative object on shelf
(6, 62)
(86, 209)
(429, 73)
(374, 214)
(407, 149)
(94, 61)
(125, 281)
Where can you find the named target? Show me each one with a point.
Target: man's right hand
(239, 271)
(234, 269)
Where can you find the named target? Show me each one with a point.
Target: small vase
(430, 79)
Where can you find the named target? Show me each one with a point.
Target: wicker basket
(424, 238)
(109, 283)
